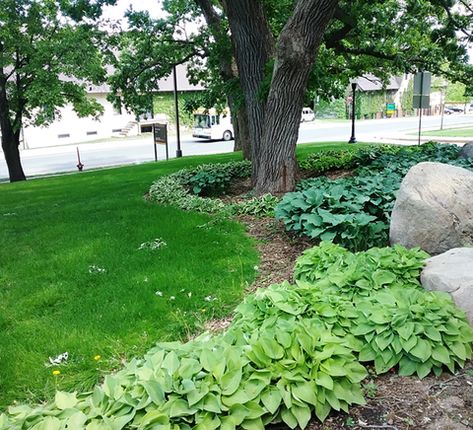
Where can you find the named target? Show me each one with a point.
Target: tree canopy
(49, 52)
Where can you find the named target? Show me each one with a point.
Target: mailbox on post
(160, 136)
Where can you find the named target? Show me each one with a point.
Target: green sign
(390, 107)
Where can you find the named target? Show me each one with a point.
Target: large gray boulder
(467, 150)
(434, 208)
(452, 272)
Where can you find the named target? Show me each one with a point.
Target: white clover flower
(210, 299)
(159, 293)
(172, 298)
(96, 269)
(189, 294)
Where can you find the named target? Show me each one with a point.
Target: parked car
(453, 109)
(307, 114)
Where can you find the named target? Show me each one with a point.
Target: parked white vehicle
(307, 114)
(209, 124)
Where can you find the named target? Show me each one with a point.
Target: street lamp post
(353, 90)
(176, 105)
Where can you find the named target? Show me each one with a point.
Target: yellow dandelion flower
(97, 357)
(56, 372)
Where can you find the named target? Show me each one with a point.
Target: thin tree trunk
(10, 137)
(10, 146)
(228, 72)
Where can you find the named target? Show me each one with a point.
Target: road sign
(390, 108)
(160, 136)
(421, 100)
(422, 86)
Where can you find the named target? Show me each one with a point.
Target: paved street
(129, 151)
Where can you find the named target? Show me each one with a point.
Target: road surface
(130, 151)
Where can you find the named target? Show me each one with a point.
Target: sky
(117, 12)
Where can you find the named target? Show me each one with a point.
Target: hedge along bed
(291, 350)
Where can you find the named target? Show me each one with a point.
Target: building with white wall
(68, 128)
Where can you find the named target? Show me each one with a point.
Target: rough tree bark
(10, 136)
(253, 45)
(274, 123)
(228, 71)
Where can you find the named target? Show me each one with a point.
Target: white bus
(209, 124)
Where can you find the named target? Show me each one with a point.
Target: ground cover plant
(88, 267)
(355, 211)
(291, 351)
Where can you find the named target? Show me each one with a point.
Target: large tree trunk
(253, 43)
(274, 124)
(297, 47)
(240, 128)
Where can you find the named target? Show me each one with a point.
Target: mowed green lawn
(72, 278)
(454, 132)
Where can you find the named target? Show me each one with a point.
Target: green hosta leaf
(367, 353)
(458, 349)
(65, 400)
(288, 417)
(423, 369)
(422, 350)
(324, 380)
(407, 367)
(271, 399)
(302, 414)
(305, 392)
(231, 381)
(440, 353)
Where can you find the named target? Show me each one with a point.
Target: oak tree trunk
(253, 45)
(274, 123)
(297, 48)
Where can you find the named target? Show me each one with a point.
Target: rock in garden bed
(467, 150)
(434, 208)
(452, 272)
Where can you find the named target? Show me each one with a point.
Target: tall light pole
(176, 105)
(353, 90)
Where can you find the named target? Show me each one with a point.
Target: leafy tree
(149, 48)
(49, 52)
(285, 48)
(316, 38)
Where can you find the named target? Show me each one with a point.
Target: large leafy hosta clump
(355, 211)
(291, 351)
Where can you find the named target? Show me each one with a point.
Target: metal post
(353, 138)
(176, 105)
(442, 106)
(421, 104)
